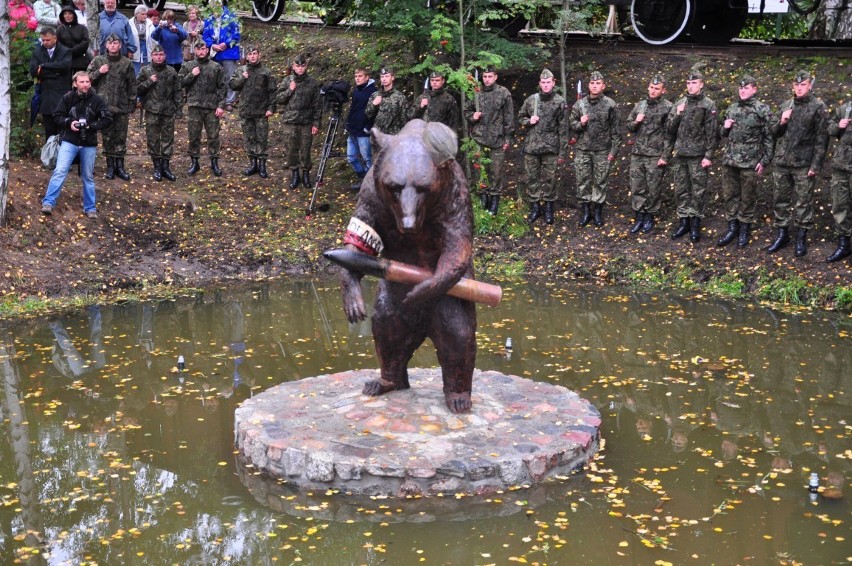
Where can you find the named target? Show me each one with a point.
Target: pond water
(714, 416)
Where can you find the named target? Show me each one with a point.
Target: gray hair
(139, 9)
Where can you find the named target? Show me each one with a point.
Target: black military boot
(214, 166)
(843, 250)
(599, 221)
(484, 199)
(744, 235)
(158, 171)
(682, 228)
(110, 172)
(252, 168)
(694, 229)
(548, 213)
(166, 170)
(194, 167)
(306, 178)
(781, 240)
(357, 186)
(801, 242)
(119, 169)
(494, 205)
(586, 215)
(639, 218)
(261, 168)
(535, 212)
(295, 180)
(731, 234)
(648, 223)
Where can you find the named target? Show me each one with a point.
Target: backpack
(50, 151)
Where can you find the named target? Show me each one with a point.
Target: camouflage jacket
(842, 160)
(802, 142)
(651, 137)
(206, 90)
(602, 131)
(749, 139)
(695, 131)
(442, 108)
(163, 96)
(494, 128)
(304, 104)
(391, 115)
(550, 134)
(118, 85)
(258, 90)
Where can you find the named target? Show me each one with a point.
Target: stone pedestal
(322, 433)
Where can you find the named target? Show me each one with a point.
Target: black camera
(335, 94)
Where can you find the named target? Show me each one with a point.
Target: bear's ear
(381, 140)
(440, 141)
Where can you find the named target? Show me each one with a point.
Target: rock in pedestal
(322, 433)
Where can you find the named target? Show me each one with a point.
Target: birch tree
(5, 108)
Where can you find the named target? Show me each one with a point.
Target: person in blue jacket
(114, 22)
(358, 150)
(222, 36)
(170, 35)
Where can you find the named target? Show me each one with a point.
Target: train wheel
(158, 5)
(660, 21)
(266, 10)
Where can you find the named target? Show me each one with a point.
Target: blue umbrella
(35, 104)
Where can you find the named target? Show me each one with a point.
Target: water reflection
(714, 415)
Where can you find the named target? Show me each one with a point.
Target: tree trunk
(5, 108)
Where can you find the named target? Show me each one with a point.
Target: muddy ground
(205, 229)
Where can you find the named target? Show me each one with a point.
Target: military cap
(300, 60)
(251, 47)
(695, 75)
(802, 76)
(386, 70)
(746, 80)
(113, 37)
(157, 49)
(436, 75)
(545, 74)
(596, 76)
(658, 79)
(489, 69)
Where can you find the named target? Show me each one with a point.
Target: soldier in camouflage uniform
(492, 118)
(546, 121)
(692, 122)
(801, 140)
(158, 87)
(841, 180)
(206, 92)
(652, 149)
(114, 78)
(387, 108)
(257, 104)
(301, 112)
(748, 153)
(595, 121)
(437, 104)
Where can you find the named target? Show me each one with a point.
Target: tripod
(325, 154)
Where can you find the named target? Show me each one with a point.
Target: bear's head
(413, 169)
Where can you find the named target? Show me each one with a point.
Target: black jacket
(76, 38)
(54, 74)
(357, 122)
(90, 106)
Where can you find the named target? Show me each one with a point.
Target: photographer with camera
(300, 102)
(82, 113)
(358, 150)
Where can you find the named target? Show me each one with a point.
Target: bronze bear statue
(414, 207)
